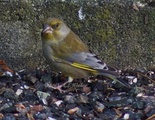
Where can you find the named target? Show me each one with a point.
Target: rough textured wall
(118, 32)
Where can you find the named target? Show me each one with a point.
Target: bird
(67, 53)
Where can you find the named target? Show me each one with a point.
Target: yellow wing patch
(84, 67)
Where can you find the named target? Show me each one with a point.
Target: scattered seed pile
(26, 95)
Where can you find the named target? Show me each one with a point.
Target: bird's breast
(47, 52)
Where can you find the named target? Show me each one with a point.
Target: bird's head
(54, 30)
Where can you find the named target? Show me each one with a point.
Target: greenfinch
(67, 53)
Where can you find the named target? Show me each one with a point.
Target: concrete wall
(121, 33)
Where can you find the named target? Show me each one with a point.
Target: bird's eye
(55, 26)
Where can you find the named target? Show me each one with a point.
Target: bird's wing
(88, 61)
(86, 58)
(78, 61)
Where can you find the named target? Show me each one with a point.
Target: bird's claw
(58, 87)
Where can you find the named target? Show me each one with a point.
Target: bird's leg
(59, 87)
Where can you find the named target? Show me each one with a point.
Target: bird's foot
(58, 87)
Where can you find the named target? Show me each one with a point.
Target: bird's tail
(114, 75)
(107, 71)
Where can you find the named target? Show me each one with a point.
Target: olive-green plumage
(65, 52)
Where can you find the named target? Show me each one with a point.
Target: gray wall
(121, 33)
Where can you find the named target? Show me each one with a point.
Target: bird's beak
(47, 29)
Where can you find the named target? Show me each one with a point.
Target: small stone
(36, 108)
(26, 87)
(1, 116)
(73, 110)
(70, 98)
(21, 108)
(9, 116)
(82, 98)
(5, 106)
(19, 91)
(42, 95)
(126, 116)
(10, 94)
(86, 89)
(50, 118)
(99, 107)
(58, 102)
(140, 95)
(46, 78)
(33, 79)
(135, 80)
